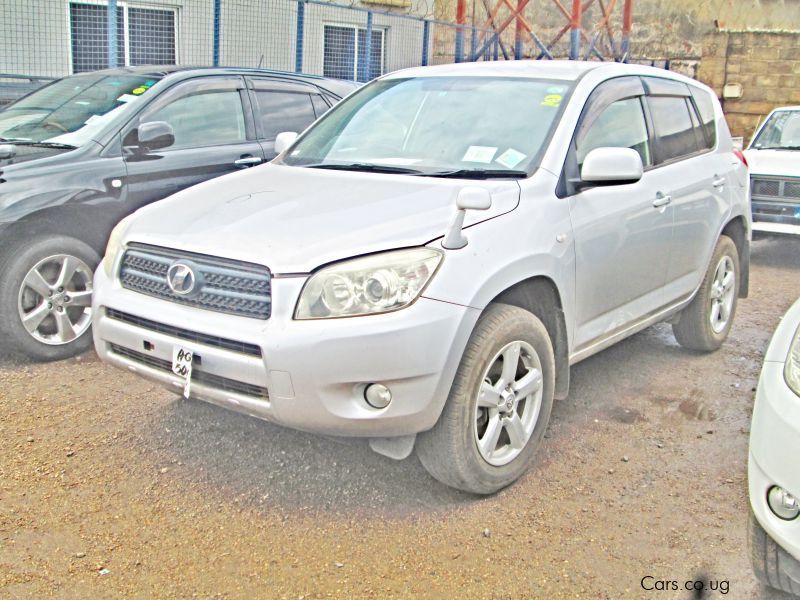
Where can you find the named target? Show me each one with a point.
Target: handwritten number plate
(182, 367)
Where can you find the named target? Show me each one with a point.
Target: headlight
(364, 286)
(114, 245)
(791, 372)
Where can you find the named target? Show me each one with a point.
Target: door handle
(247, 161)
(719, 182)
(661, 200)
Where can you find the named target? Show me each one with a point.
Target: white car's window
(676, 134)
(620, 125)
(780, 132)
(435, 125)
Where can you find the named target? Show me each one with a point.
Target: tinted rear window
(283, 111)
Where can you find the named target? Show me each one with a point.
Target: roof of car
(567, 70)
(336, 86)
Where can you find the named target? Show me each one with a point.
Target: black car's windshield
(780, 132)
(481, 126)
(71, 110)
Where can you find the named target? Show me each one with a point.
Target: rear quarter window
(705, 106)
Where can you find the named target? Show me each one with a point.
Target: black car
(79, 154)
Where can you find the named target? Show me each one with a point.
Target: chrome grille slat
(185, 334)
(229, 286)
(201, 377)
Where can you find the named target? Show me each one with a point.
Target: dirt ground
(111, 486)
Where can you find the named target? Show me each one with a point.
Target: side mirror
(155, 135)
(283, 140)
(612, 166)
(469, 198)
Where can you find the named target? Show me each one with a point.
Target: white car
(774, 159)
(774, 462)
(424, 264)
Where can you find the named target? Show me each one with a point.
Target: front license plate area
(182, 360)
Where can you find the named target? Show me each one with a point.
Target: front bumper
(308, 375)
(774, 448)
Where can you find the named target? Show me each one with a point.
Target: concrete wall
(765, 63)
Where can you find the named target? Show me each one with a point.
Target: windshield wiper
(479, 174)
(777, 147)
(368, 167)
(23, 142)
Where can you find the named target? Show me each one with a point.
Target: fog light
(377, 395)
(782, 503)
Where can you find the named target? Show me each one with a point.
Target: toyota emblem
(181, 278)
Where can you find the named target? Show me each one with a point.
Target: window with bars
(345, 53)
(145, 36)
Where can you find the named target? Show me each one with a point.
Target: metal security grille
(776, 189)
(89, 33)
(223, 285)
(151, 34)
(346, 56)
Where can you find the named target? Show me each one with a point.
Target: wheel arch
(736, 229)
(540, 296)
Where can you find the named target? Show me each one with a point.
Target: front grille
(780, 189)
(185, 334)
(207, 379)
(222, 285)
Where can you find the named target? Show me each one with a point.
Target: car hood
(295, 219)
(784, 163)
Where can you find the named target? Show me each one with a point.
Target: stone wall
(765, 63)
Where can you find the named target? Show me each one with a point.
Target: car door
(622, 233)
(692, 176)
(283, 106)
(214, 135)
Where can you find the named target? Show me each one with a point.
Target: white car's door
(623, 233)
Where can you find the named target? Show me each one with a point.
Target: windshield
(437, 126)
(780, 132)
(71, 110)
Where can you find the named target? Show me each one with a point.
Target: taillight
(740, 155)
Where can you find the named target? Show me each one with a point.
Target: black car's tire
(459, 450)
(701, 325)
(59, 300)
(773, 566)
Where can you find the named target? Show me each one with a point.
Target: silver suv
(422, 266)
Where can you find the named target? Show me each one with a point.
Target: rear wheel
(46, 295)
(498, 407)
(704, 324)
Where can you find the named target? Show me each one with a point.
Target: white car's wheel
(772, 564)
(704, 324)
(498, 407)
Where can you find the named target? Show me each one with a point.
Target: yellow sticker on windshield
(138, 91)
(552, 100)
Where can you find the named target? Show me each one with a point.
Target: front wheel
(46, 297)
(705, 323)
(499, 405)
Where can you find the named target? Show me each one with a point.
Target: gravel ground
(110, 486)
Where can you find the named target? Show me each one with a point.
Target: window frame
(356, 28)
(123, 4)
(176, 92)
(264, 84)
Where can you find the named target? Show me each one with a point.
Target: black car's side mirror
(155, 135)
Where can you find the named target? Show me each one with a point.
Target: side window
(203, 118)
(620, 125)
(675, 132)
(279, 111)
(705, 104)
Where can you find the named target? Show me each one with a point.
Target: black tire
(773, 566)
(694, 329)
(16, 261)
(450, 451)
